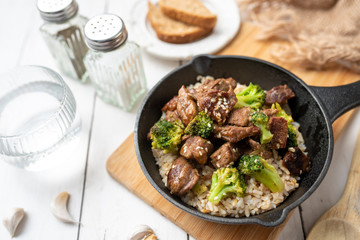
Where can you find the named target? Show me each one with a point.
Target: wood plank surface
(124, 159)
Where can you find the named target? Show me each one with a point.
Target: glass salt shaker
(63, 33)
(114, 64)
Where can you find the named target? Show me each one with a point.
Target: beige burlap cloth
(320, 33)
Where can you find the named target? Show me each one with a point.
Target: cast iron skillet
(315, 108)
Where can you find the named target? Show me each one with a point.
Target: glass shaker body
(66, 43)
(117, 73)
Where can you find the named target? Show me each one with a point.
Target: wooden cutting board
(122, 165)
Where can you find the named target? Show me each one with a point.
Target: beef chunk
(185, 137)
(197, 148)
(181, 177)
(217, 103)
(240, 116)
(253, 144)
(186, 107)
(225, 155)
(279, 94)
(222, 84)
(258, 149)
(296, 162)
(170, 105)
(216, 97)
(172, 116)
(278, 127)
(192, 92)
(270, 112)
(235, 134)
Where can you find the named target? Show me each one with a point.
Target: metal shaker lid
(57, 10)
(105, 32)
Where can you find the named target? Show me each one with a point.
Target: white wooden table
(105, 208)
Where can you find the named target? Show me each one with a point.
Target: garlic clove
(151, 237)
(12, 221)
(59, 208)
(143, 232)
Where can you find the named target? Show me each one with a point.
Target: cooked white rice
(257, 199)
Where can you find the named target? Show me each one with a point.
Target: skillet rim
(279, 215)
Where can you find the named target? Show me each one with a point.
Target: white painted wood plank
(91, 8)
(15, 20)
(334, 182)
(293, 228)
(34, 190)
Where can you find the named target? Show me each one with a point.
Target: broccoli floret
(166, 135)
(252, 96)
(226, 181)
(282, 113)
(256, 167)
(201, 125)
(261, 120)
(292, 137)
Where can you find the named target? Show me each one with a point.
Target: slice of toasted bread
(173, 31)
(193, 12)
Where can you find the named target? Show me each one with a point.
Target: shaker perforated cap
(105, 32)
(57, 10)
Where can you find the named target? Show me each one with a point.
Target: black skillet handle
(340, 99)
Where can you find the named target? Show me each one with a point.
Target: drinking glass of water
(38, 114)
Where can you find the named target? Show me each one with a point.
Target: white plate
(226, 28)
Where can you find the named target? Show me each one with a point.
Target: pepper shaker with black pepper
(63, 33)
